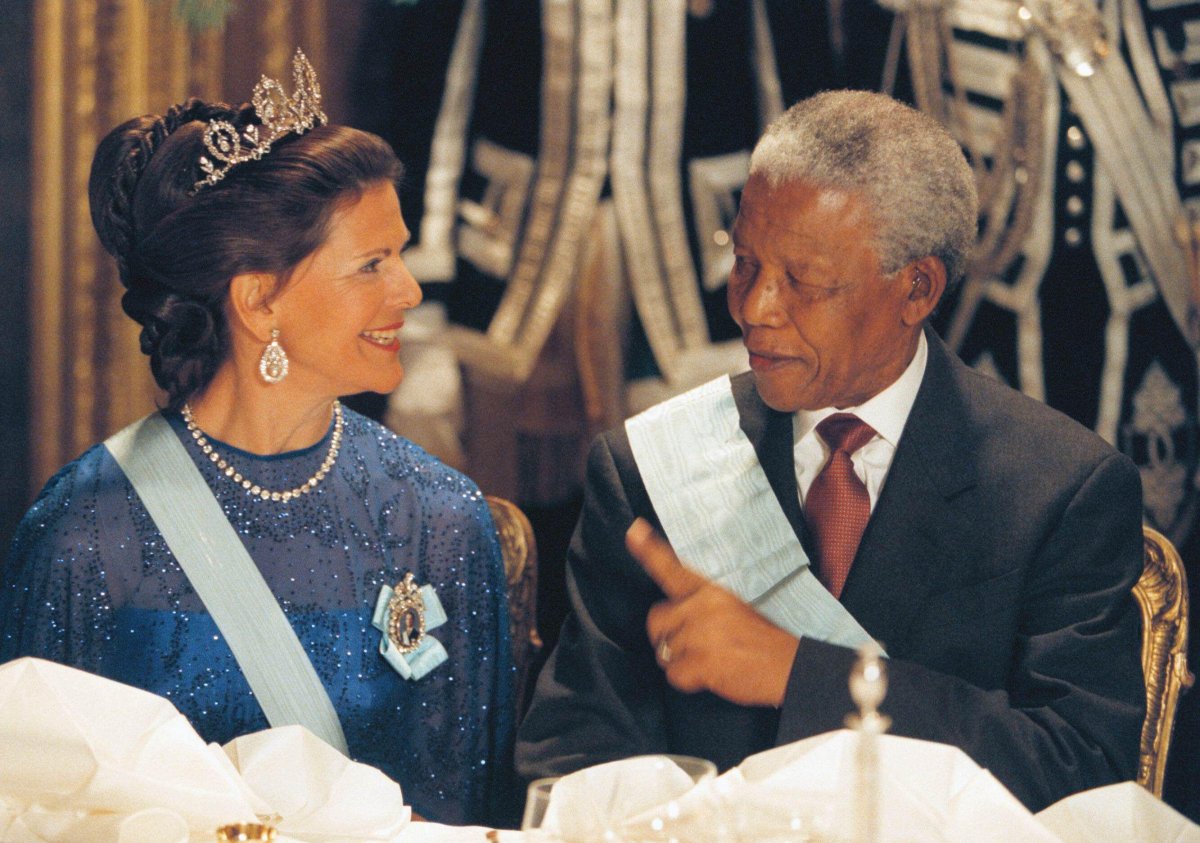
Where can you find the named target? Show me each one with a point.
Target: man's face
(823, 327)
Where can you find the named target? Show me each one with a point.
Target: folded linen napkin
(607, 801)
(1123, 812)
(320, 795)
(85, 759)
(74, 746)
(805, 790)
(927, 791)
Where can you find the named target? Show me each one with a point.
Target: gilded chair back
(519, 549)
(1162, 594)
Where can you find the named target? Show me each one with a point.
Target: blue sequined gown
(90, 583)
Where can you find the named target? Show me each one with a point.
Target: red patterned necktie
(837, 506)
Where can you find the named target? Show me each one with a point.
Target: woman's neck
(261, 418)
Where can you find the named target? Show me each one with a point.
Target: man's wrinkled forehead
(782, 208)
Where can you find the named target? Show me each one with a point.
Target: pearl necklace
(229, 471)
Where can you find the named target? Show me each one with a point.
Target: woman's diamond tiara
(279, 113)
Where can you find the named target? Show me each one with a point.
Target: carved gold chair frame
(1162, 595)
(519, 549)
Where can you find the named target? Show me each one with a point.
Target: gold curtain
(97, 63)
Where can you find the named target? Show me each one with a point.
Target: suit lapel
(770, 433)
(900, 556)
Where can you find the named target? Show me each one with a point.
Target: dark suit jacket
(996, 570)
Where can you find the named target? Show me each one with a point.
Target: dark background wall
(16, 98)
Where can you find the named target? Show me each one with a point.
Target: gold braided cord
(668, 98)
(588, 169)
(1009, 188)
(577, 83)
(558, 32)
(643, 262)
(433, 259)
(1008, 171)
(1010, 163)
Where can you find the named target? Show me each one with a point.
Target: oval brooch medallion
(406, 616)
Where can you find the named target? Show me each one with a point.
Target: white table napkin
(927, 791)
(320, 795)
(1122, 812)
(88, 760)
(588, 804)
(78, 753)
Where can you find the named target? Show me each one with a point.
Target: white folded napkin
(88, 760)
(153, 825)
(806, 790)
(927, 791)
(320, 795)
(1121, 813)
(597, 801)
(80, 752)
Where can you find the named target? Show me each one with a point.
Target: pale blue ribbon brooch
(405, 614)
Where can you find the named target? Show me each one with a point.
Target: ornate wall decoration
(1159, 421)
(584, 162)
(1064, 298)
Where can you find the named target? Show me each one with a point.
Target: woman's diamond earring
(273, 365)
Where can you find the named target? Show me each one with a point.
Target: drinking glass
(537, 800)
(637, 800)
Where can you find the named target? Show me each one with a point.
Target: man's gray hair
(907, 168)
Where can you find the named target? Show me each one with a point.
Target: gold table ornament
(238, 832)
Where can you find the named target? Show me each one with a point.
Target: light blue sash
(215, 560)
(722, 518)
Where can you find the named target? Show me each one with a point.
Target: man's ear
(925, 282)
(252, 303)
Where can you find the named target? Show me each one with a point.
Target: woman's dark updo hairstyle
(177, 248)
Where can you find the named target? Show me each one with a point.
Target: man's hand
(704, 637)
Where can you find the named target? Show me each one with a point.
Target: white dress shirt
(887, 412)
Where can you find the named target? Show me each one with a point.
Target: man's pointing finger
(660, 561)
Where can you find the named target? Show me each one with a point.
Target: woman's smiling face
(340, 314)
